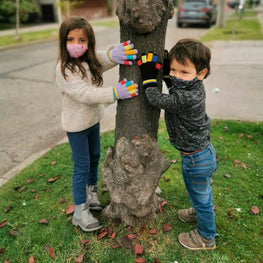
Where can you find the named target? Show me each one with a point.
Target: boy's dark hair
(195, 51)
(90, 57)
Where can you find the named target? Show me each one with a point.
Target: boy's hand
(125, 90)
(166, 70)
(149, 69)
(123, 53)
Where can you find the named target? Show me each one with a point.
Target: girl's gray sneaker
(92, 198)
(84, 219)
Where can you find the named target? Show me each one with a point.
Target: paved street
(30, 103)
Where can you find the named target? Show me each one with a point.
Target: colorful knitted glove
(166, 70)
(149, 69)
(125, 90)
(123, 53)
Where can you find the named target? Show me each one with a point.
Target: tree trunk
(133, 167)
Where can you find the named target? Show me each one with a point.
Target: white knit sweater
(83, 103)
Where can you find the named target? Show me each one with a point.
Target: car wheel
(179, 24)
(208, 24)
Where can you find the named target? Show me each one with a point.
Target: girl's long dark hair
(73, 64)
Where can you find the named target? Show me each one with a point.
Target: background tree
(133, 167)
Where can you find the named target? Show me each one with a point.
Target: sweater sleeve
(103, 57)
(167, 102)
(80, 90)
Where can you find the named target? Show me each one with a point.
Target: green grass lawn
(47, 34)
(246, 28)
(236, 189)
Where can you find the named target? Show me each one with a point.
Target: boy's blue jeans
(197, 169)
(85, 147)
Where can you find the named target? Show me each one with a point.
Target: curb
(32, 158)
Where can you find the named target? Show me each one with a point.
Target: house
(90, 9)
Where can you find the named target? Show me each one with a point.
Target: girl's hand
(124, 53)
(125, 90)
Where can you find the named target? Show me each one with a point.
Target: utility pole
(17, 37)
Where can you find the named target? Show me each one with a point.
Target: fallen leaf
(85, 241)
(13, 233)
(226, 129)
(153, 231)
(2, 251)
(33, 190)
(254, 210)
(53, 162)
(157, 260)
(139, 260)
(236, 162)
(43, 221)
(167, 227)
(29, 181)
(80, 258)
(41, 175)
(174, 161)
(166, 179)
(31, 259)
(22, 189)
(102, 235)
(46, 247)
(136, 137)
(221, 138)
(131, 236)
(8, 209)
(227, 175)
(243, 166)
(113, 235)
(240, 135)
(3, 223)
(164, 203)
(116, 246)
(138, 249)
(249, 136)
(70, 209)
(230, 213)
(62, 200)
(51, 252)
(52, 180)
(7, 261)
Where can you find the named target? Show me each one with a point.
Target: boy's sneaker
(194, 241)
(187, 215)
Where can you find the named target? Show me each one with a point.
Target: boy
(189, 127)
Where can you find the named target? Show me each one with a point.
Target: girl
(79, 77)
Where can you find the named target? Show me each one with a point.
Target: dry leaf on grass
(138, 249)
(31, 259)
(167, 227)
(254, 210)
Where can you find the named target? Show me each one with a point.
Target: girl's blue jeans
(85, 147)
(197, 169)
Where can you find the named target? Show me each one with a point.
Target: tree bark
(133, 167)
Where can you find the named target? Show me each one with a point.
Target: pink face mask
(76, 50)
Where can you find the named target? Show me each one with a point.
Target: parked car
(202, 12)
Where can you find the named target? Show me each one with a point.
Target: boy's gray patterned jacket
(186, 120)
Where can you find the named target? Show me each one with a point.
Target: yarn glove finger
(166, 69)
(125, 90)
(149, 69)
(124, 53)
